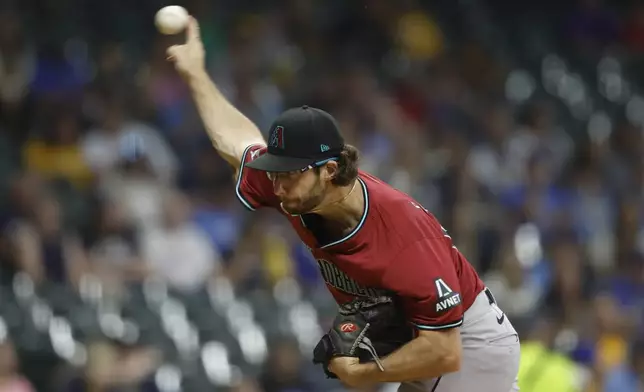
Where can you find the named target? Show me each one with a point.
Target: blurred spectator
(541, 133)
(630, 376)
(178, 251)
(164, 90)
(594, 214)
(59, 77)
(17, 71)
(247, 385)
(44, 249)
(539, 199)
(8, 266)
(134, 186)
(420, 38)
(215, 211)
(611, 330)
(277, 259)
(518, 288)
(56, 154)
(284, 371)
(10, 378)
(246, 267)
(102, 145)
(24, 191)
(17, 59)
(633, 33)
(113, 246)
(111, 367)
(256, 52)
(572, 279)
(491, 163)
(112, 74)
(542, 368)
(592, 26)
(627, 288)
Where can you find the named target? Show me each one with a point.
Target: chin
(293, 209)
(298, 207)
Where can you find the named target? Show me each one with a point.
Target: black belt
(489, 295)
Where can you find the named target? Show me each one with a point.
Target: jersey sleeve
(253, 188)
(424, 276)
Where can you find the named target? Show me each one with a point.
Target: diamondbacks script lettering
(333, 276)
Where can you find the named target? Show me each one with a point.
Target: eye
(282, 175)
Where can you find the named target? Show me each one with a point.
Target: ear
(330, 170)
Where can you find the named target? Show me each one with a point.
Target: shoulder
(397, 212)
(253, 151)
(396, 223)
(250, 153)
(253, 188)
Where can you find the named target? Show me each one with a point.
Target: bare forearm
(417, 360)
(229, 130)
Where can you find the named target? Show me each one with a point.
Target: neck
(344, 205)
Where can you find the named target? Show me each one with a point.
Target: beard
(307, 203)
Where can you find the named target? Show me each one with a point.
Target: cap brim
(276, 163)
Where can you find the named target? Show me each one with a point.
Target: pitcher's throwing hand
(188, 58)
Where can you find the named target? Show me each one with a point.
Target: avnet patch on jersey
(447, 298)
(452, 301)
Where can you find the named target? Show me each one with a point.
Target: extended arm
(431, 354)
(229, 130)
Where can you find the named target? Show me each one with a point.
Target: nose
(278, 188)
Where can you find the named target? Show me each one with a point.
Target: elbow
(444, 359)
(444, 348)
(452, 354)
(451, 361)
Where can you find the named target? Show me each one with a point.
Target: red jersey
(397, 247)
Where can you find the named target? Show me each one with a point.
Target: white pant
(490, 357)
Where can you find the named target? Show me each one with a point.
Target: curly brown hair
(347, 166)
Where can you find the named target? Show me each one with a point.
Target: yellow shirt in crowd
(54, 161)
(543, 370)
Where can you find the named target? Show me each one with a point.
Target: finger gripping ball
(172, 19)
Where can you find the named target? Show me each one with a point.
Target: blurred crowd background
(127, 264)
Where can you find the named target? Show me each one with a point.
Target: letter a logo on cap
(277, 137)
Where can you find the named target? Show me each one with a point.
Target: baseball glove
(365, 328)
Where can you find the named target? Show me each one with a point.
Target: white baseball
(172, 19)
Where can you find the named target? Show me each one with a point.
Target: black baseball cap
(299, 138)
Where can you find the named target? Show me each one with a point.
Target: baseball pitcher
(412, 309)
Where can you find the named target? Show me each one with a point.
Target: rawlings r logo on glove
(364, 328)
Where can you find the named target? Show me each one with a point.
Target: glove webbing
(365, 344)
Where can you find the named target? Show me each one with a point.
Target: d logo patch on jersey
(447, 298)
